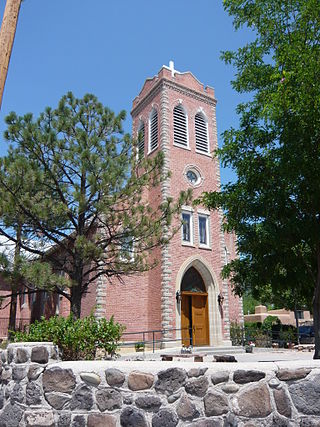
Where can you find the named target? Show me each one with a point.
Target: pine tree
(90, 215)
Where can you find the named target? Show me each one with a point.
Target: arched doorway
(194, 309)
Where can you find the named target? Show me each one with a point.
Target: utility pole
(7, 33)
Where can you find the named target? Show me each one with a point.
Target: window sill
(150, 152)
(191, 245)
(204, 154)
(182, 146)
(208, 248)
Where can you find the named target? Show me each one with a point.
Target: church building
(184, 296)
(183, 300)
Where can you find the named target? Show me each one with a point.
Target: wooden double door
(194, 319)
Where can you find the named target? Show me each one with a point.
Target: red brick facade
(148, 301)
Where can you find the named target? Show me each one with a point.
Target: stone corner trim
(111, 394)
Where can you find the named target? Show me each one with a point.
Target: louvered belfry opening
(201, 133)
(141, 140)
(180, 126)
(153, 130)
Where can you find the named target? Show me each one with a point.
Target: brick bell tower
(175, 113)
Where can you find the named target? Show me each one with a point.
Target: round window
(193, 176)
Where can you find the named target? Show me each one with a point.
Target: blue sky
(109, 48)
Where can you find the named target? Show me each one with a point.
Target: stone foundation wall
(37, 390)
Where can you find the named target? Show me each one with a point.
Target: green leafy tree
(273, 206)
(91, 214)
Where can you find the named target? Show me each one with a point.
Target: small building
(286, 317)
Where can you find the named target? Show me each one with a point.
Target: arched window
(192, 281)
(180, 126)
(141, 140)
(153, 130)
(201, 128)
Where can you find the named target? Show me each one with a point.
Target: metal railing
(265, 338)
(157, 336)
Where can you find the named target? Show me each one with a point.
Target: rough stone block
(34, 372)
(39, 354)
(33, 394)
(1, 398)
(82, 398)
(6, 374)
(140, 380)
(91, 378)
(197, 386)
(283, 402)
(108, 399)
(22, 355)
(101, 420)
(17, 394)
(64, 420)
(197, 372)
(219, 377)
(216, 422)
(148, 403)
(57, 379)
(242, 376)
(57, 400)
(4, 356)
(78, 421)
(170, 380)
(11, 416)
(19, 372)
(114, 377)
(230, 388)
(292, 374)
(215, 404)
(133, 417)
(305, 395)
(186, 410)
(254, 402)
(165, 418)
(39, 419)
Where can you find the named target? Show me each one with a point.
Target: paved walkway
(274, 356)
(258, 355)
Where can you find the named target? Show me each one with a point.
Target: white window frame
(206, 216)
(149, 130)
(185, 147)
(187, 211)
(140, 127)
(131, 252)
(205, 153)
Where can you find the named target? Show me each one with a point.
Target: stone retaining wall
(37, 390)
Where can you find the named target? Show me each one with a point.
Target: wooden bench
(197, 357)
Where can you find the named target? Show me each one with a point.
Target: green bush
(77, 339)
(236, 333)
(268, 322)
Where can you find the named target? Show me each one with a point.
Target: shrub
(268, 322)
(77, 339)
(139, 346)
(236, 333)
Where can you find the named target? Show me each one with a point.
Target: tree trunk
(75, 305)
(316, 311)
(7, 33)
(13, 313)
(15, 285)
(297, 321)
